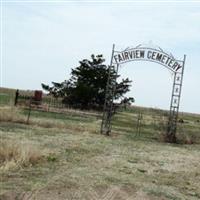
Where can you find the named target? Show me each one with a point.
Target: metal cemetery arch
(142, 53)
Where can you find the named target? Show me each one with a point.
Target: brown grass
(11, 114)
(82, 165)
(15, 155)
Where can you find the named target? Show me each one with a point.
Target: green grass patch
(57, 116)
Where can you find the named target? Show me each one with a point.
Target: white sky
(42, 41)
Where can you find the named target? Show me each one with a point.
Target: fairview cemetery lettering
(148, 55)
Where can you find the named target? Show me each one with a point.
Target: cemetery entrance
(143, 53)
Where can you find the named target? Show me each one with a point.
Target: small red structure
(38, 95)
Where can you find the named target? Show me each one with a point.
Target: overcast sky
(42, 41)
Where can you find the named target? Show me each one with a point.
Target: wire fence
(136, 121)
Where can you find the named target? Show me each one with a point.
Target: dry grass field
(63, 157)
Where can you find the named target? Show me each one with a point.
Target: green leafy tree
(127, 102)
(87, 86)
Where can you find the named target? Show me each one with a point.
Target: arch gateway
(151, 54)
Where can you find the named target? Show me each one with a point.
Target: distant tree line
(86, 88)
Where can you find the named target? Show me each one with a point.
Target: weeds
(51, 158)
(15, 155)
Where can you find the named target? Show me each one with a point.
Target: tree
(127, 102)
(87, 86)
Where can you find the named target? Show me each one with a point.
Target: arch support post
(174, 105)
(108, 109)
